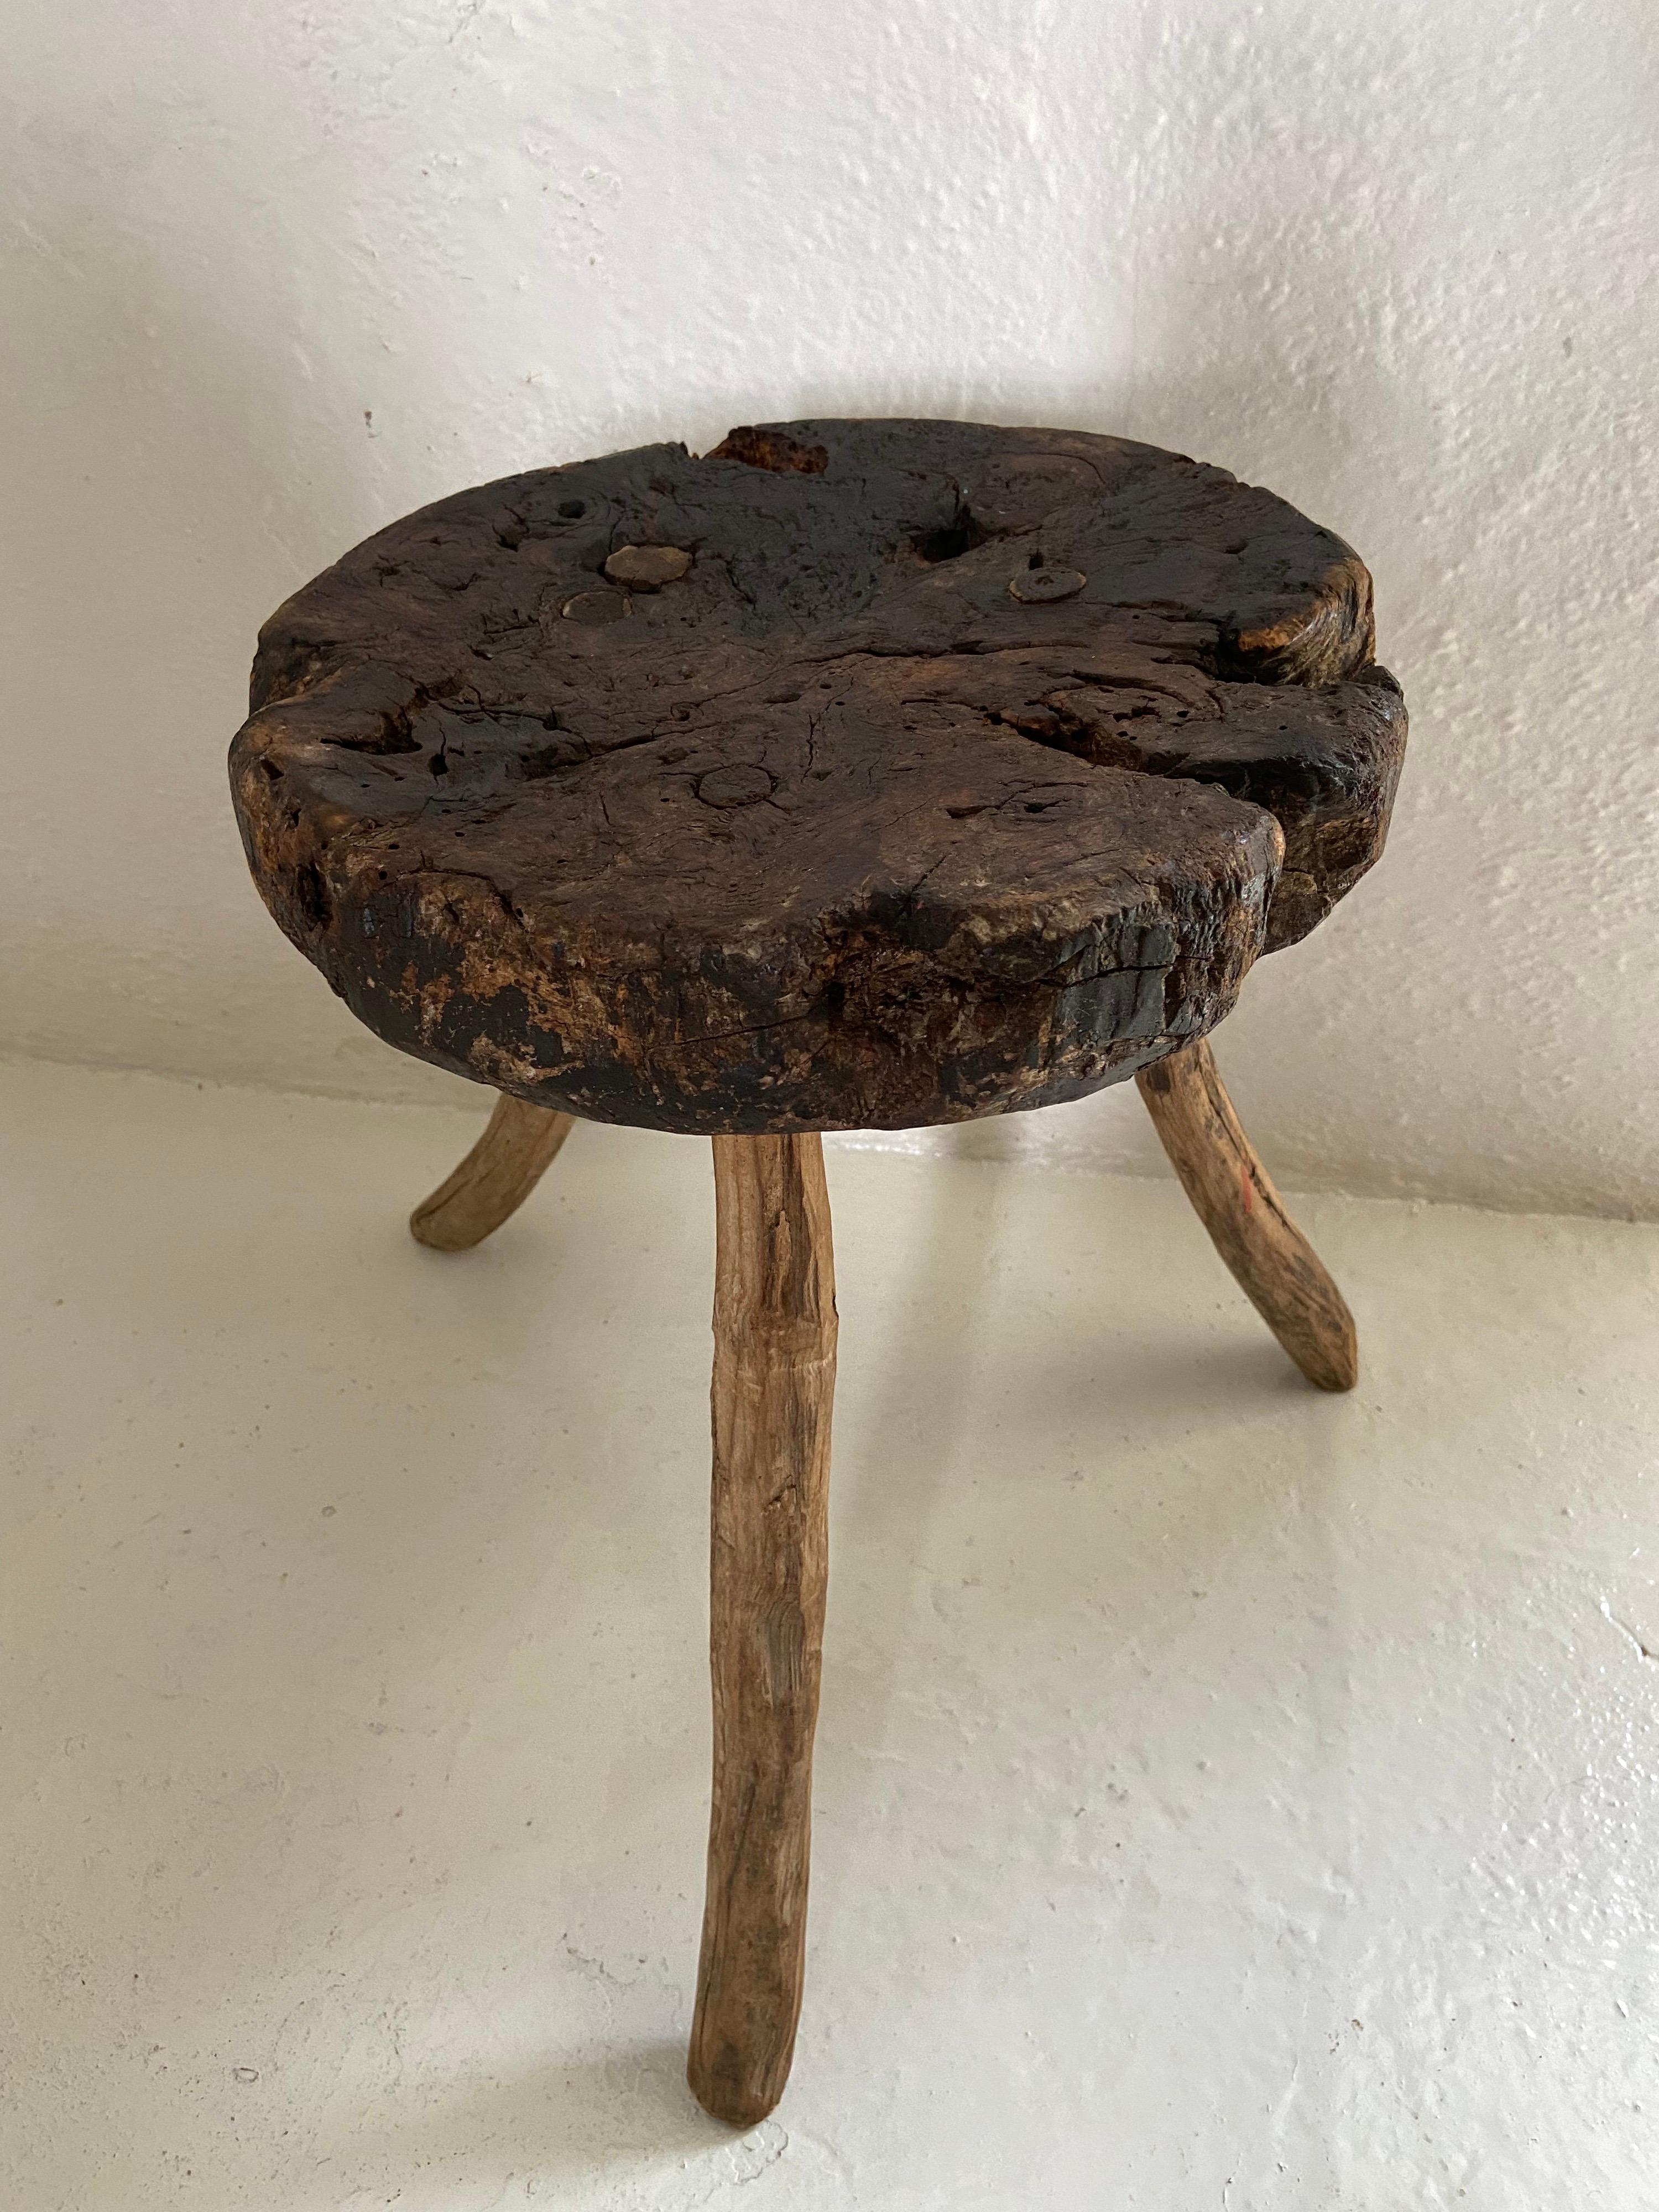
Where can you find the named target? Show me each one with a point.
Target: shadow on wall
(1344, 292)
(1295, 384)
(1292, 383)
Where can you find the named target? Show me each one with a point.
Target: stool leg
(775, 1377)
(494, 1180)
(1273, 1263)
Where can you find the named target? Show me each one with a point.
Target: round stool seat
(855, 775)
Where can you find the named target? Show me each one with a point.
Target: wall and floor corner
(275, 276)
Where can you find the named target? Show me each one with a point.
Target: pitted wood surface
(952, 770)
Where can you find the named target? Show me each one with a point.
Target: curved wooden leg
(775, 1373)
(1273, 1263)
(494, 1180)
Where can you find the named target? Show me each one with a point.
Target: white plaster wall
(277, 273)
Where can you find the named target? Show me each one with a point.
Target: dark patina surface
(855, 775)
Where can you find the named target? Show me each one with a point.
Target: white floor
(1228, 1797)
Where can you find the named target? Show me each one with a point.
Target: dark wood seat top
(856, 774)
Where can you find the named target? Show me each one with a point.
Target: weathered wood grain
(773, 1382)
(1271, 1260)
(857, 775)
(518, 1146)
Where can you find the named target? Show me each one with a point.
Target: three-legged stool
(859, 775)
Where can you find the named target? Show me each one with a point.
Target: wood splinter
(1271, 1260)
(495, 1179)
(774, 1384)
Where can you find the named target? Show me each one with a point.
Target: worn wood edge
(518, 1146)
(446, 769)
(1233, 1195)
(771, 1400)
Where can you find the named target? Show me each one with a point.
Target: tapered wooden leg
(774, 1376)
(494, 1180)
(1273, 1263)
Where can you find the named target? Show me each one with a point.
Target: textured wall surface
(275, 274)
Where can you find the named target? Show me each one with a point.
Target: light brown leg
(494, 1180)
(775, 1377)
(1275, 1264)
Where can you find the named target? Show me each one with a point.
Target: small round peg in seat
(647, 568)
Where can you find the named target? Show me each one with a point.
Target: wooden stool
(860, 774)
